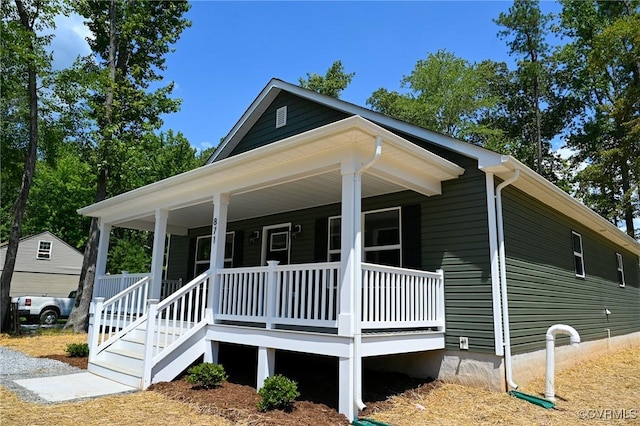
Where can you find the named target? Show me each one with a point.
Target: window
(620, 269)
(382, 237)
(44, 250)
(203, 253)
(381, 242)
(334, 238)
(229, 245)
(578, 257)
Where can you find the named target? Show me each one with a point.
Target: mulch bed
(317, 378)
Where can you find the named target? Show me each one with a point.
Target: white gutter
(503, 281)
(357, 300)
(495, 264)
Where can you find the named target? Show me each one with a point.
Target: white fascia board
(556, 198)
(231, 173)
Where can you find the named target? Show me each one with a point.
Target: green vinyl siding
(178, 260)
(302, 115)
(456, 239)
(542, 285)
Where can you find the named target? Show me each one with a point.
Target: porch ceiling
(295, 173)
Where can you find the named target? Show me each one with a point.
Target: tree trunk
(79, 317)
(627, 207)
(27, 178)
(536, 94)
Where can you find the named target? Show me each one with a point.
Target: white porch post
(103, 249)
(350, 247)
(350, 262)
(266, 365)
(346, 390)
(218, 237)
(157, 259)
(101, 269)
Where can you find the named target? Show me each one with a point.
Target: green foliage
(603, 53)
(278, 393)
(331, 84)
(78, 350)
(443, 93)
(207, 375)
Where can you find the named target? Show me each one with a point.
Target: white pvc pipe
(574, 339)
(503, 281)
(357, 300)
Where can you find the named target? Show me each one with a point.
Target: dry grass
(47, 343)
(611, 382)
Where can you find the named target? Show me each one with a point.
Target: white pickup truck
(45, 309)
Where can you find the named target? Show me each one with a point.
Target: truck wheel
(49, 316)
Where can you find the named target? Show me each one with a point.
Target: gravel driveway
(15, 365)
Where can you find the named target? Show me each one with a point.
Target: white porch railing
(293, 295)
(117, 315)
(174, 320)
(303, 294)
(401, 298)
(107, 286)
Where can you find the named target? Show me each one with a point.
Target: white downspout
(357, 300)
(574, 339)
(503, 281)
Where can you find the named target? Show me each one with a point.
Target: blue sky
(233, 49)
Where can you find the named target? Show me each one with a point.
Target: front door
(276, 244)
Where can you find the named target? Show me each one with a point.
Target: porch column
(350, 247)
(103, 249)
(346, 390)
(216, 261)
(101, 269)
(266, 365)
(157, 259)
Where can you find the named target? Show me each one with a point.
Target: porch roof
(298, 172)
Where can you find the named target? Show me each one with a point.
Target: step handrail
(173, 320)
(135, 297)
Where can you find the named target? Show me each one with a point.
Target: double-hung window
(382, 237)
(44, 250)
(620, 265)
(203, 252)
(578, 255)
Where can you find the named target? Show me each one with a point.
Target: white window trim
(579, 254)
(229, 260)
(369, 249)
(41, 252)
(208, 261)
(331, 251)
(620, 268)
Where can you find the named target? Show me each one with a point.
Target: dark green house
(322, 227)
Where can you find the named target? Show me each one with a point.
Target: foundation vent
(281, 117)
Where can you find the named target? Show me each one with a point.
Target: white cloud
(69, 40)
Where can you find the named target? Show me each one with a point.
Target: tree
(527, 28)
(59, 189)
(603, 52)
(129, 44)
(445, 94)
(331, 84)
(23, 62)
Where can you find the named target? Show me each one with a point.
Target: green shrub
(278, 392)
(78, 350)
(207, 375)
